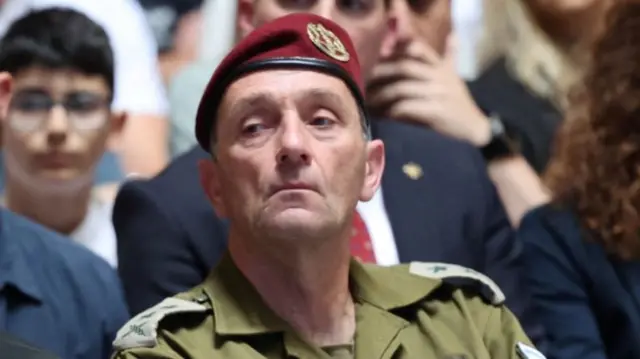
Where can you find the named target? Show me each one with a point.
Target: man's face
(291, 156)
(366, 21)
(57, 126)
(426, 21)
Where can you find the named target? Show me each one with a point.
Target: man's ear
(210, 182)
(6, 91)
(118, 121)
(245, 17)
(374, 169)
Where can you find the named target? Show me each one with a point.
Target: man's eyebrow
(318, 94)
(250, 101)
(237, 108)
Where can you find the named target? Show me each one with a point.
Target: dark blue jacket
(588, 301)
(13, 348)
(169, 237)
(55, 294)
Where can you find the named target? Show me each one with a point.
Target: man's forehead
(278, 85)
(58, 79)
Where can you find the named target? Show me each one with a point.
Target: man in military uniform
(291, 155)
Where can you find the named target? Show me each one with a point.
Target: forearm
(518, 185)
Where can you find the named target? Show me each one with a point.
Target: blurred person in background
(58, 125)
(54, 294)
(417, 81)
(583, 251)
(542, 48)
(176, 25)
(216, 37)
(437, 202)
(142, 148)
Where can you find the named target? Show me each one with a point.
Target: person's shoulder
(556, 230)
(469, 305)
(550, 213)
(449, 161)
(551, 218)
(425, 144)
(178, 178)
(54, 253)
(416, 134)
(454, 279)
(32, 237)
(182, 314)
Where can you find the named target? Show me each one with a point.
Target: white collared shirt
(375, 217)
(96, 231)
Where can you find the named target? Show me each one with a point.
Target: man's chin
(59, 174)
(296, 223)
(61, 181)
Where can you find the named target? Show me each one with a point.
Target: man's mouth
(55, 160)
(294, 186)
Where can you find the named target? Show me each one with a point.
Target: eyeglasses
(86, 111)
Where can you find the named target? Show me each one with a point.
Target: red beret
(299, 41)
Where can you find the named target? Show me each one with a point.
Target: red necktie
(361, 247)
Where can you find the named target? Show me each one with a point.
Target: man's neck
(307, 288)
(62, 212)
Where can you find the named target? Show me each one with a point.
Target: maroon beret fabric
(300, 41)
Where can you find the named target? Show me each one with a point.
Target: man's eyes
(253, 128)
(348, 6)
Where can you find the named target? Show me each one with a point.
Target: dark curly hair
(595, 169)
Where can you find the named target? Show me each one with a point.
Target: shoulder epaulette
(528, 352)
(450, 272)
(141, 330)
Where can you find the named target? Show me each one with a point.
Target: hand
(424, 87)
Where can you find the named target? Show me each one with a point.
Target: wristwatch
(500, 145)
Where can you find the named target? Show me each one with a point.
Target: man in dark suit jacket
(437, 204)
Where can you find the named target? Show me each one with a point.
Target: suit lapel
(403, 199)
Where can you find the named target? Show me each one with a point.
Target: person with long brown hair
(583, 249)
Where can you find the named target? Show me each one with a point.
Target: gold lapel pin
(412, 170)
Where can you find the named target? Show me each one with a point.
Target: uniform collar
(239, 309)
(14, 269)
(388, 288)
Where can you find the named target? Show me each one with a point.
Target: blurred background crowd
(519, 156)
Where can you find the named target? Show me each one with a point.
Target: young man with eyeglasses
(58, 125)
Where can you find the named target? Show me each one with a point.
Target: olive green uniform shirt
(404, 311)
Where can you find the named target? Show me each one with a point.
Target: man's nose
(57, 125)
(401, 12)
(293, 143)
